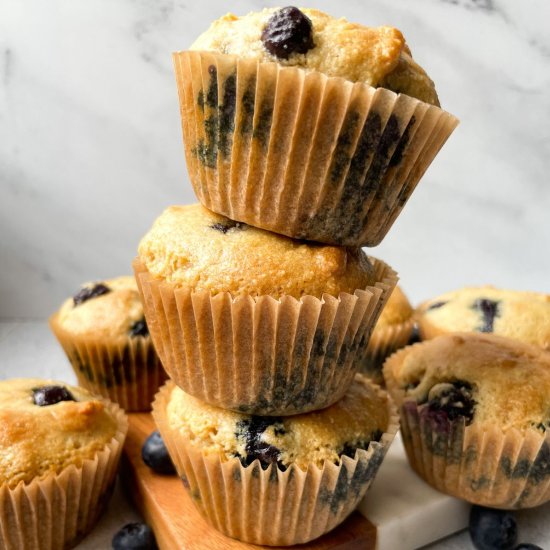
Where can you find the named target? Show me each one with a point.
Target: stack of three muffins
(275, 436)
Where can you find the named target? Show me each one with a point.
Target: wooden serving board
(168, 509)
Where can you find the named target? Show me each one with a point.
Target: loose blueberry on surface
(134, 536)
(489, 309)
(527, 546)
(288, 31)
(90, 292)
(139, 328)
(50, 395)
(453, 400)
(155, 454)
(492, 529)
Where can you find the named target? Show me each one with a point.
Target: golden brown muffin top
(486, 378)
(37, 440)
(110, 308)
(193, 247)
(311, 438)
(516, 314)
(396, 311)
(376, 56)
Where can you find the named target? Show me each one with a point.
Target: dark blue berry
(492, 529)
(155, 454)
(135, 536)
(288, 31)
(50, 395)
(139, 328)
(255, 447)
(489, 310)
(90, 292)
(452, 400)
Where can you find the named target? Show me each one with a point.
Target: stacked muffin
(260, 302)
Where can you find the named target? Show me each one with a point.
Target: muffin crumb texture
(46, 426)
(192, 247)
(360, 417)
(376, 56)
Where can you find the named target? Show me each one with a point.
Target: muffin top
(361, 416)
(193, 247)
(111, 308)
(484, 378)
(46, 426)
(396, 311)
(521, 315)
(315, 41)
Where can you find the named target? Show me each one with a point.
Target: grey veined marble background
(91, 151)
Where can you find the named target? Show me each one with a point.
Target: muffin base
(125, 370)
(299, 153)
(58, 510)
(270, 506)
(261, 355)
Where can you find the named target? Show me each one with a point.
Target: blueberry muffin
(307, 125)
(59, 451)
(393, 330)
(516, 314)
(103, 331)
(475, 416)
(307, 472)
(248, 320)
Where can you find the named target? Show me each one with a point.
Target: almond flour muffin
(393, 330)
(516, 314)
(475, 416)
(248, 320)
(290, 124)
(104, 334)
(307, 472)
(59, 451)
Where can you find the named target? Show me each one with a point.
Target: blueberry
(255, 448)
(415, 336)
(453, 400)
(489, 310)
(139, 328)
(90, 292)
(50, 395)
(527, 546)
(229, 224)
(435, 305)
(288, 31)
(492, 529)
(155, 454)
(135, 536)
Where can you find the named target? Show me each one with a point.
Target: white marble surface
(406, 510)
(90, 143)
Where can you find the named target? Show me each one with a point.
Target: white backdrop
(91, 153)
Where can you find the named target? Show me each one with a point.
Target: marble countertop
(29, 349)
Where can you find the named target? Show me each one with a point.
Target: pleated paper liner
(299, 153)
(483, 465)
(271, 506)
(58, 510)
(262, 355)
(383, 342)
(127, 371)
